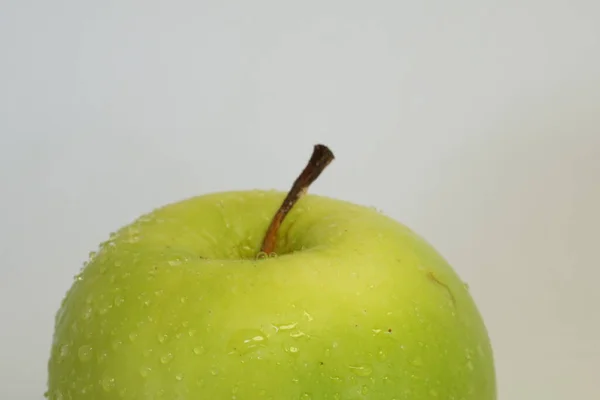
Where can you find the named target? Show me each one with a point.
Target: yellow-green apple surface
(348, 304)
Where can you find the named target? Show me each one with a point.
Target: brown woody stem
(319, 160)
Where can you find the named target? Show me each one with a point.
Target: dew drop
(101, 356)
(87, 313)
(108, 383)
(116, 344)
(381, 355)
(284, 327)
(297, 334)
(191, 332)
(293, 350)
(470, 365)
(64, 351)
(308, 317)
(246, 341)
(119, 300)
(179, 376)
(361, 369)
(166, 358)
(364, 390)
(85, 353)
(417, 362)
(162, 338)
(145, 371)
(199, 350)
(132, 336)
(262, 256)
(306, 396)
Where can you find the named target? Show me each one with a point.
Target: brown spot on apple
(436, 280)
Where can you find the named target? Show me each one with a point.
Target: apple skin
(354, 305)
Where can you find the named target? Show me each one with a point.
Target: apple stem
(320, 159)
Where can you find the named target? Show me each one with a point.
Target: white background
(476, 123)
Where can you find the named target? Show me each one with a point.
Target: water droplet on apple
(86, 389)
(108, 383)
(132, 336)
(119, 300)
(417, 362)
(306, 396)
(85, 353)
(262, 256)
(466, 285)
(364, 390)
(293, 350)
(308, 317)
(246, 341)
(297, 334)
(87, 313)
(145, 371)
(179, 376)
(361, 369)
(174, 263)
(101, 356)
(284, 327)
(214, 372)
(64, 351)
(166, 358)
(199, 350)
(381, 355)
(433, 393)
(162, 338)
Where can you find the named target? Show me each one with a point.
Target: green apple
(350, 305)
